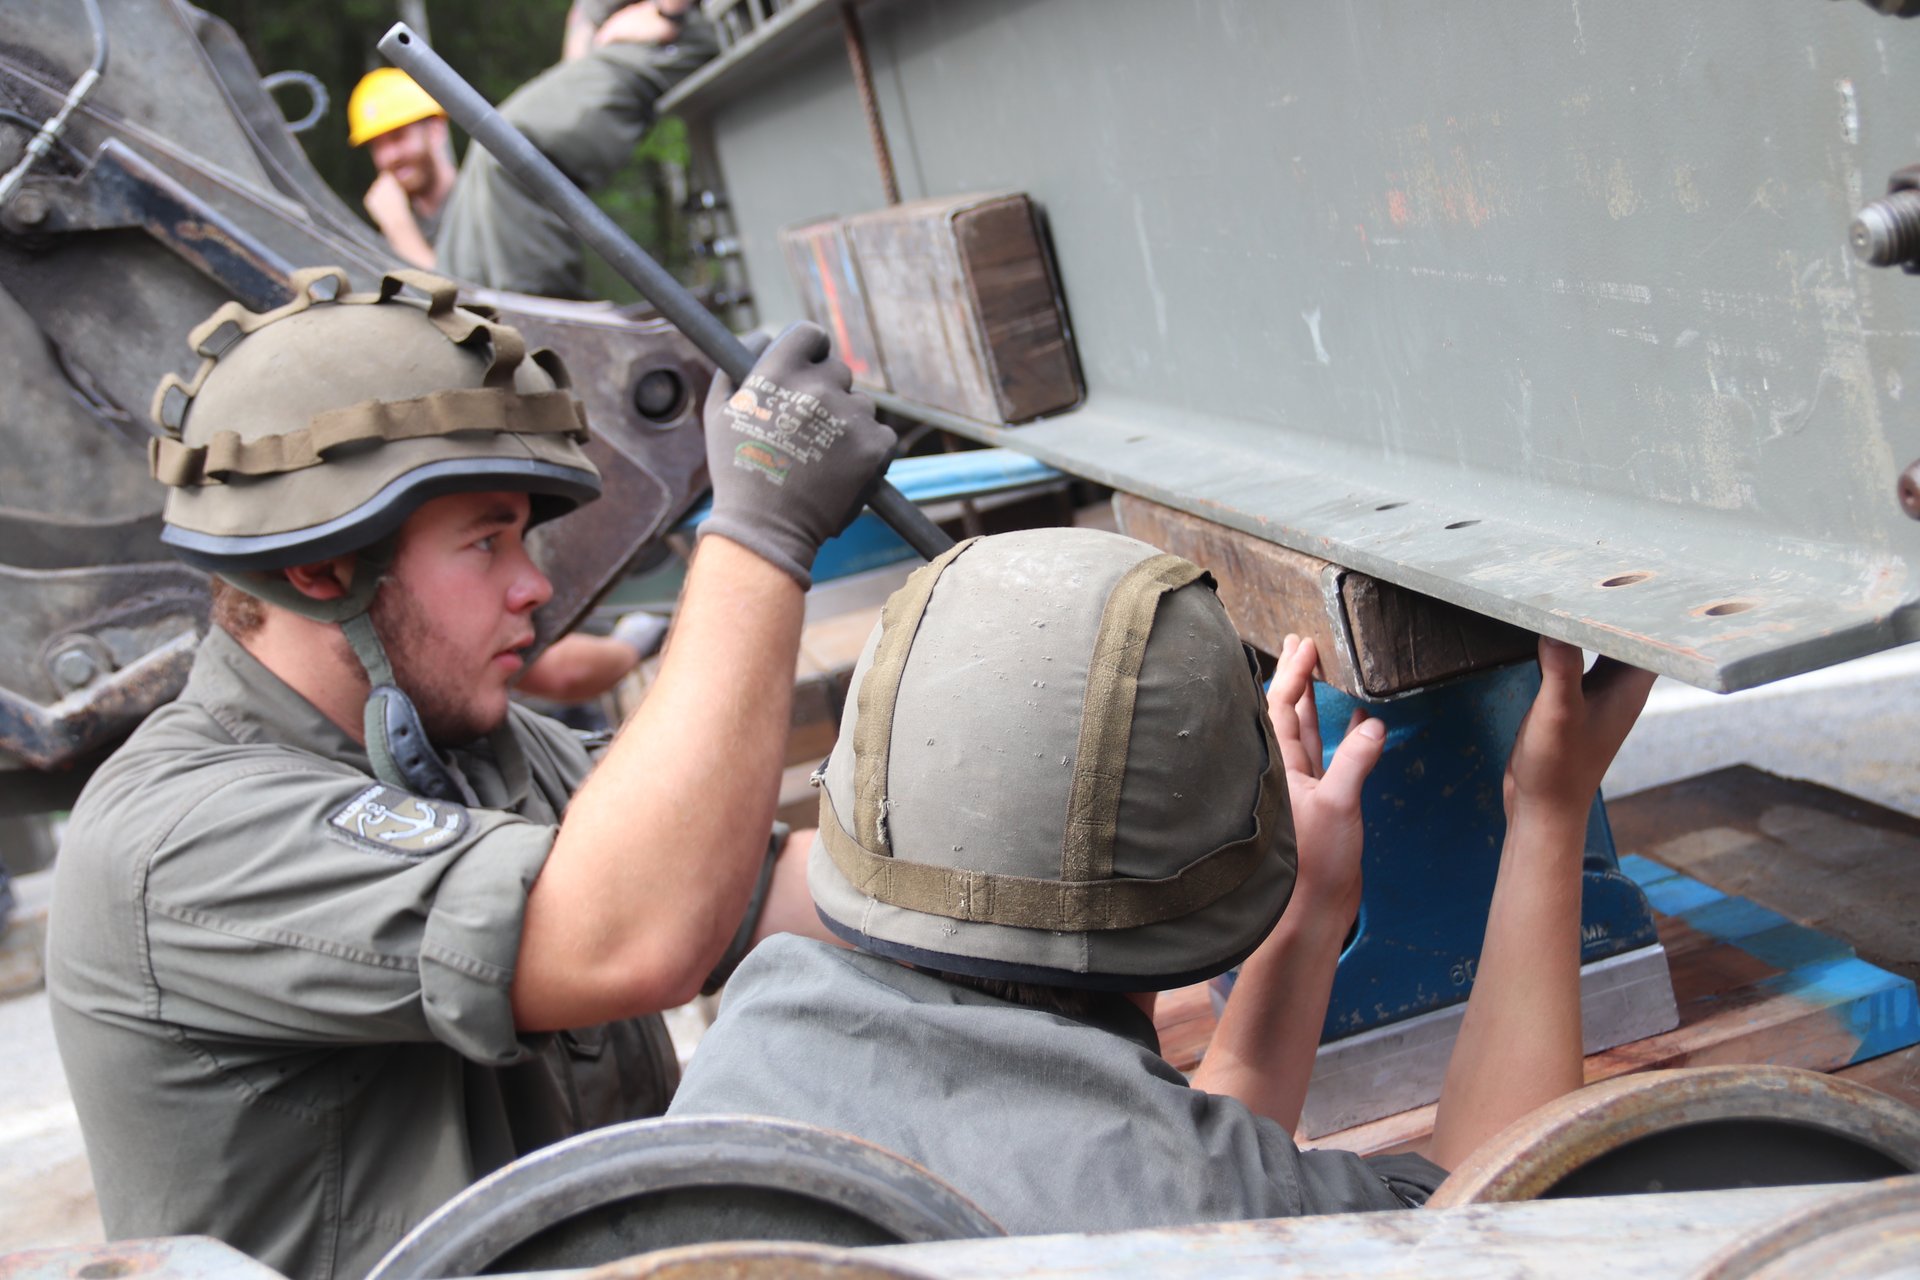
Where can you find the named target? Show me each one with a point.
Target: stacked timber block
(1374, 639)
(950, 303)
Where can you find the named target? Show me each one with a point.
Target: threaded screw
(1887, 231)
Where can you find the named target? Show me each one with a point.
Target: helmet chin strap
(396, 740)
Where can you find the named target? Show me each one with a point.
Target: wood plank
(1825, 859)
(1374, 639)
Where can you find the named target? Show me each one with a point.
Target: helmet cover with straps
(317, 428)
(1055, 767)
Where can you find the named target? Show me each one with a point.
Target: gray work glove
(641, 632)
(793, 453)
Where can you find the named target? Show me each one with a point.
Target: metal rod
(50, 132)
(524, 161)
(869, 104)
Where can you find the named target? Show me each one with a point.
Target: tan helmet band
(1068, 906)
(462, 325)
(1106, 719)
(1087, 896)
(873, 730)
(480, 409)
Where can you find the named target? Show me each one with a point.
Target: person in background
(586, 114)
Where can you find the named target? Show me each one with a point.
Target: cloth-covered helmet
(386, 99)
(317, 428)
(1055, 767)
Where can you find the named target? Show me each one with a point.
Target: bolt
(657, 394)
(74, 667)
(29, 208)
(1910, 490)
(1887, 231)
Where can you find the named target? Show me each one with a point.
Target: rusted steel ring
(1868, 1231)
(654, 1184)
(755, 1260)
(1553, 1149)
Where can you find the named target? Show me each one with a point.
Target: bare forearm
(578, 667)
(1262, 1052)
(1519, 1043)
(657, 855)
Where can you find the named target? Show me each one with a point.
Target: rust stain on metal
(1540, 1150)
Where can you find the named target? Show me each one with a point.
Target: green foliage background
(497, 46)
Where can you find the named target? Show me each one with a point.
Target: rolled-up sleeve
(307, 905)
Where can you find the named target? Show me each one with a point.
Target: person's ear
(323, 579)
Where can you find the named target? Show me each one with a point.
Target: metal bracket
(121, 190)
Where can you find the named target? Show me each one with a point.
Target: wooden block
(820, 258)
(1374, 639)
(963, 301)
(1827, 860)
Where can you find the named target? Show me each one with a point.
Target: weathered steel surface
(1870, 1232)
(654, 1184)
(1703, 1128)
(1665, 1237)
(1546, 311)
(176, 1258)
(1640, 1236)
(756, 1261)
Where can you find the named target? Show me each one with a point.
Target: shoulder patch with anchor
(392, 821)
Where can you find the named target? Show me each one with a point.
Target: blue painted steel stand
(1434, 824)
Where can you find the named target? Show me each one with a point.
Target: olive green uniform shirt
(1048, 1123)
(586, 116)
(280, 987)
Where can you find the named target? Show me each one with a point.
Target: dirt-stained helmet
(1055, 767)
(315, 429)
(386, 99)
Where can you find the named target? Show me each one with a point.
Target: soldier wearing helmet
(1057, 791)
(585, 113)
(341, 929)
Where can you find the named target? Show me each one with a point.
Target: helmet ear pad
(398, 747)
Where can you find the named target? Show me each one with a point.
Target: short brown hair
(234, 611)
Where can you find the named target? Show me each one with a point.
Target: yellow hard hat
(385, 99)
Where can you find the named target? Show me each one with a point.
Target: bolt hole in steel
(1463, 524)
(1727, 608)
(658, 395)
(1625, 579)
(1389, 506)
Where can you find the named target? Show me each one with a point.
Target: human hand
(792, 453)
(1327, 825)
(387, 204)
(637, 24)
(1573, 730)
